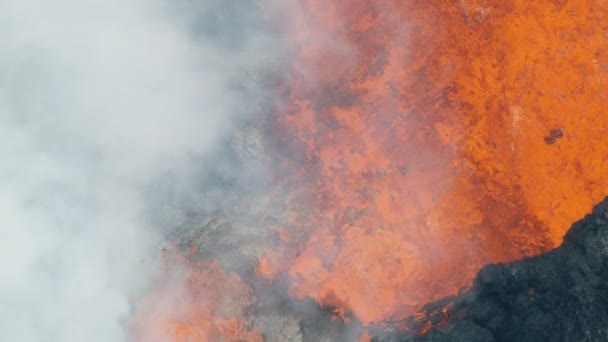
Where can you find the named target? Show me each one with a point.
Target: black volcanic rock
(561, 295)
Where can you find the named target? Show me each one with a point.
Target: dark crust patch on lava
(561, 295)
(554, 134)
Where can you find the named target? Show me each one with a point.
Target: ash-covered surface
(561, 295)
(314, 323)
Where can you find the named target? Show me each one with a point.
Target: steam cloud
(99, 99)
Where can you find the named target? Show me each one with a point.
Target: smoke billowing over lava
(287, 170)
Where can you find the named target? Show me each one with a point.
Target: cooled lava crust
(561, 295)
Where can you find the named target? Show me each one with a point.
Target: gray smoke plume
(99, 101)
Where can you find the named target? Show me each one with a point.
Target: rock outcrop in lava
(561, 295)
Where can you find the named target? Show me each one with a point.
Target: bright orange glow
(440, 135)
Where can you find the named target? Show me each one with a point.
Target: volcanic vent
(411, 143)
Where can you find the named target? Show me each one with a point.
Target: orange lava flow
(438, 135)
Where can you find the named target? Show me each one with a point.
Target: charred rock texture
(561, 295)
(313, 322)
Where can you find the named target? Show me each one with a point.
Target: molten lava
(425, 139)
(437, 136)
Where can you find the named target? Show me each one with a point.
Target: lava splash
(437, 136)
(417, 141)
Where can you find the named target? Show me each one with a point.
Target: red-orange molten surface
(438, 136)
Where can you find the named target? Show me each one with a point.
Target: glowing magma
(437, 136)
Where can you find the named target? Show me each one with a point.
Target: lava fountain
(426, 139)
(439, 136)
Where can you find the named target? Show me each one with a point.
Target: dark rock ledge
(561, 295)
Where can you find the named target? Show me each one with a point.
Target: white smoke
(98, 98)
